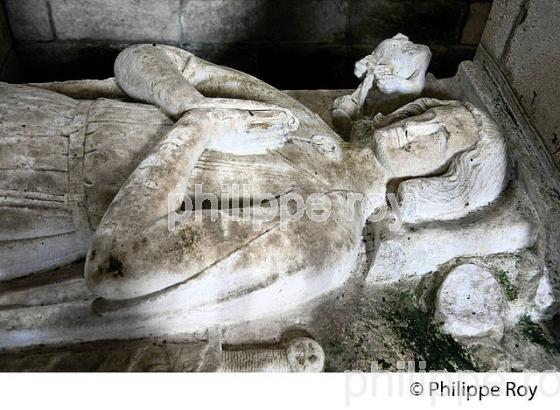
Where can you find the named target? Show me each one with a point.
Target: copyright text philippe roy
(465, 387)
(474, 391)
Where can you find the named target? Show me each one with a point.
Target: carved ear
(475, 178)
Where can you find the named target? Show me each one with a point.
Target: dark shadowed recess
(290, 44)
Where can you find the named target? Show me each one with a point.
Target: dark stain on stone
(115, 267)
(534, 97)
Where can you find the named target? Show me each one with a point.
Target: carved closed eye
(412, 133)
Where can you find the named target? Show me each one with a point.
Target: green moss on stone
(535, 333)
(510, 290)
(424, 338)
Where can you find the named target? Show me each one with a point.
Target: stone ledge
(29, 19)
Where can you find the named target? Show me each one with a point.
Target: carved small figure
(393, 75)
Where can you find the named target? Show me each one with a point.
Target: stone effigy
(133, 252)
(202, 197)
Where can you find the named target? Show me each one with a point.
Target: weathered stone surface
(305, 21)
(392, 76)
(225, 294)
(470, 303)
(532, 53)
(500, 23)
(535, 169)
(485, 84)
(522, 37)
(545, 301)
(407, 252)
(133, 356)
(126, 20)
(29, 19)
(556, 157)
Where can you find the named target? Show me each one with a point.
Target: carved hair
(475, 177)
(416, 107)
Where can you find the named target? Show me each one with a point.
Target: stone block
(263, 21)
(429, 21)
(123, 20)
(531, 63)
(499, 25)
(29, 19)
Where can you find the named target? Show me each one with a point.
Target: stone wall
(522, 42)
(290, 43)
(5, 39)
(7, 58)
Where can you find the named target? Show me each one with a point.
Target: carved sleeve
(175, 80)
(154, 74)
(143, 200)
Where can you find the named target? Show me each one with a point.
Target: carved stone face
(423, 144)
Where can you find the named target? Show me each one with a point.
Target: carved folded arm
(143, 201)
(170, 78)
(125, 259)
